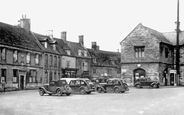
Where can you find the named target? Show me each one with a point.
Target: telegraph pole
(177, 45)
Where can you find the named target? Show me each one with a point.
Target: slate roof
(17, 37)
(49, 48)
(77, 46)
(105, 58)
(171, 36)
(62, 46)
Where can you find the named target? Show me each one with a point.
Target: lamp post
(177, 44)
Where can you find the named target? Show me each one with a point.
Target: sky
(106, 22)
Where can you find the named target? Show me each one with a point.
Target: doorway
(21, 82)
(139, 73)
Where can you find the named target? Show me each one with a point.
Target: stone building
(83, 58)
(20, 56)
(104, 63)
(147, 53)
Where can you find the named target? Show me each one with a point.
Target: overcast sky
(106, 22)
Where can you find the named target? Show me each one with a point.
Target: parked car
(59, 87)
(79, 85)
(146, 81)
(111, 85)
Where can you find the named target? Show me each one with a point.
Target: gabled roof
(153, 32)
(17, 37)
(105, 58)
(171, 36)
(45, 38)
(77, 46)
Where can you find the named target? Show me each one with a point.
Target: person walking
(3, 85)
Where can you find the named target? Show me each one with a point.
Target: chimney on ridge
(63, 36)
(25, 23)
(94, 46)
(81, 39)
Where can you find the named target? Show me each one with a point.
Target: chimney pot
(63, 35)
(94, 46)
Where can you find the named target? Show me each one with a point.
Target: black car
(111, 85)
(59, 87)
(80, 85)
(146, 81)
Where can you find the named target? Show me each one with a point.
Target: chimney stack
(50, 34)
(63, 36)
(81, 39)
(25, 23)
(94, 46)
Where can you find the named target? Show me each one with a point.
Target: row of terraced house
(29, 60)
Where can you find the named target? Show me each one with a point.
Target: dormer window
(85, 53)
(79, 52)
(68, 52)
(45, 44)
(54, 46)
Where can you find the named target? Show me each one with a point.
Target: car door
(52, 86)
(110, 85)
(73, 85)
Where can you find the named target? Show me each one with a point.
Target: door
(172, 79)
(110, 85)
(21, 82)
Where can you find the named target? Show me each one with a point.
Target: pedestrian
(3, 85)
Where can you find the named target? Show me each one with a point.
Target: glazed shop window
(32, 77)
(139, 51)
(15, 75)
(15, 56)
(3, 75)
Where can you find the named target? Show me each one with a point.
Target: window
(3, 54)
(15, 56)
(55, 77)
(51, 60)
(37, 59)
(46, 77)
(109, 71)
(45, 44)
(15, 75)
(28, 58)
(84, 66)
(32, 77)
(139, 51)
(68, 52)
(50, 77)
(68, 64)
(54, 46)
(46, 60)
(55, 61)
(94, 60)
(79, 52)
(59, 75)
(85, 53)
(3, 75)
(59, 62)
(94, 70)
(166, 52)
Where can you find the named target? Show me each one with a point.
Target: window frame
(139, 51)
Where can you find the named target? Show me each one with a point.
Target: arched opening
(139, 72)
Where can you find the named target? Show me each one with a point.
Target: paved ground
(163, 101)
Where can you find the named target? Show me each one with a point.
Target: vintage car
(146, 81)
(80, 85)
(111, 85)
(59, 87)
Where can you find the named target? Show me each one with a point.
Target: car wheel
(50, 94)
(155, 86)
(68, 94)
(82, 91)
(59, 93)
(116, 90)
(41, 92)
(138, 86)
(99, 90)
(122, 91)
